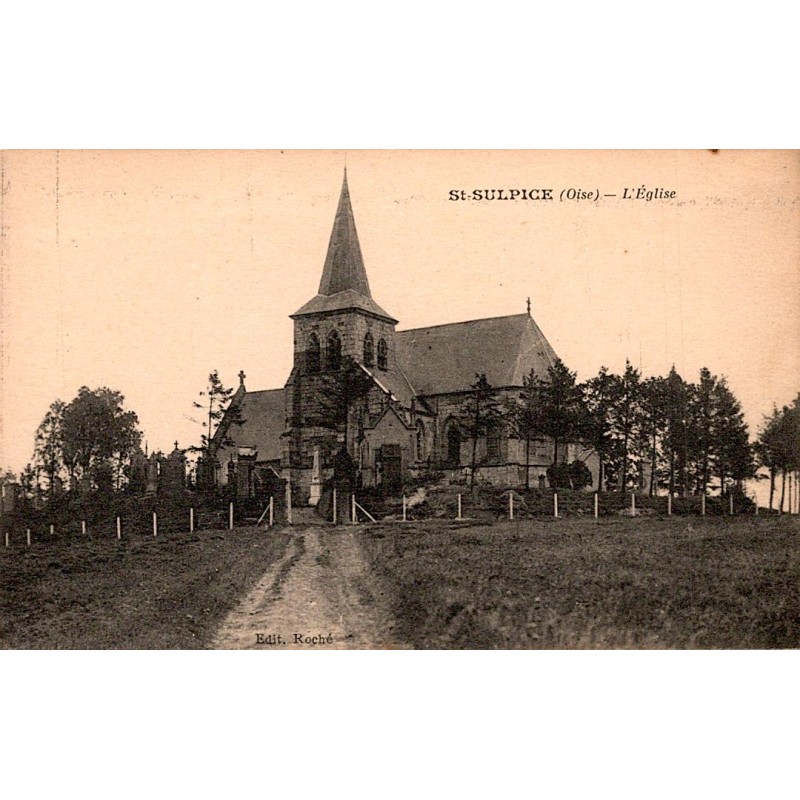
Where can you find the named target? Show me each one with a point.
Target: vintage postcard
(322, 400)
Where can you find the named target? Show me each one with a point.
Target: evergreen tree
(768, 449)
(562, 411)
(732, 454)
(676, 412)
(700, 430)
(48, 453)
(525, 418)
(481, 415)
(624, 420)
(338, 394)
(653, 404)
(221, 413)
(601, 395)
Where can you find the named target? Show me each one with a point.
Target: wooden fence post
(511, 505)
(230, 516)
(335, 520)
(7, 535)
(633, 504)
(155, 524)
(703, 504)
(669, 504)
(191, 520)
(83, 527)
(119, 528)
(353, 503)
(404, 508)
(52, 529)
(271, 510)
(28, 536)
(289, 502)
(555, 504)
(731, 499)
(459, 507)
(596, 505)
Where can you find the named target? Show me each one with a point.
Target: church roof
(394, 383)
(340, 301)
(264, 421)
(344, 264)
(446, 358)
(344, 282)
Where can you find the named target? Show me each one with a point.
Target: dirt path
(321, 594)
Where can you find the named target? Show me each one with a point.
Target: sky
(144, 271)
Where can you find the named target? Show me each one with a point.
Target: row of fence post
(355, 507)
(269, 510)
(459, 515)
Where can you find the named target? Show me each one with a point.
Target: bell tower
(341, 321)
(343, 307)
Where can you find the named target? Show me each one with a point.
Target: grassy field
(572, 583)
(136, 593)
(544, 583)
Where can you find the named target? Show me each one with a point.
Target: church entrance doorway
(391, 461)
(453, 445)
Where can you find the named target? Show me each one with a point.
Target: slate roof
(394, 382)
(344, 282)
(445, 358)
(264, 421)
(342, 300)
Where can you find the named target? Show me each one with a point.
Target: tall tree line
(778, 450)
(648, 433)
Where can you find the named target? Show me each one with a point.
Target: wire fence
(136, 519)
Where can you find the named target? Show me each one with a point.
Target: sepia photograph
(400, 399)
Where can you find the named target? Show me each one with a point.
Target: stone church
(415, 384)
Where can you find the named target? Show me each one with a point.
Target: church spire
(344, 265)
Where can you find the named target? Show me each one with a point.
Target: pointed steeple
(344, 264)
(344, 283)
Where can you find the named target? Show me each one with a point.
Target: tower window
(334, 351)
(369, 350)
(312, 354)
(383, 354)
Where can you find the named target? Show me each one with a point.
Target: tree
(48, 453)
(700, 429)
(653, 405)
(768, 449)
(676, 400)
(625, 417)
(339, 392)
(778, 446)
(480, 415)
(562, 411)
(98, 435)
(524, 417)
(732, 453)
(600, 396)
(220, 414)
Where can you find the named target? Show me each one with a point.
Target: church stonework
(417, 381)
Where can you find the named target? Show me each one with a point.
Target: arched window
(453, 445)
(369, 350)
(420, 441)
(334, 351)
(312, 354)
(383, 354)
